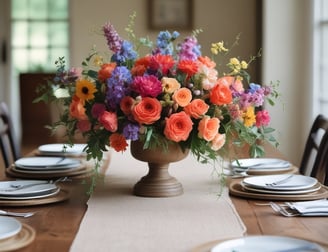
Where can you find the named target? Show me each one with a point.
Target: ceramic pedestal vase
(158, 182)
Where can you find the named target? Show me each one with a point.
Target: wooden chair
(8, 143)
(320, 167)
(311, 154)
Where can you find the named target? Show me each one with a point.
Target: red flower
(162, 63)
(118, 142)
(188, 67)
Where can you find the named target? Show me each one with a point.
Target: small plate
(261, 164)
(58, 149)
(37, 189)
(9, 227)
(295, 182)
(266, 243)
(49, 163)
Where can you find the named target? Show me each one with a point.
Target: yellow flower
(234, 61)
(218, 47)
(85, 89)
(249, 117)
(97, 60)
(244, 64)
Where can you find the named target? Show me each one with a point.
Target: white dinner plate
(58, 149)
(9, 227)
(266, 243)
(35, 190)
(47, 163)
(294, 182)
(261, 164)
(288, 192)
(29, 197)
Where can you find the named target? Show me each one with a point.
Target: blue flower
(253, 87)
(118, 86)
(164, 42)
(131, 131)
(127, 53)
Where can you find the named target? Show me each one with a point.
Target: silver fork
(279, 209)
(281, 181)
(25, 215)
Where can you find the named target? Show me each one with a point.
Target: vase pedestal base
(158, 183)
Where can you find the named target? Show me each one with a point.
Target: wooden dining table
(57, 224)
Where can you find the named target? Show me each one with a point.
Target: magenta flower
(147, 86)
(98, 109)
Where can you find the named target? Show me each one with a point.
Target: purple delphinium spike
(189, 49)
(114, 41)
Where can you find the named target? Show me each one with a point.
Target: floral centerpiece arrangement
(173, 93)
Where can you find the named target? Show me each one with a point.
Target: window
(321, 57)
(39, 34)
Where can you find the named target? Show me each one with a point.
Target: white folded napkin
(310, 208)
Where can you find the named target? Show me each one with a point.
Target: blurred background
(291, 35)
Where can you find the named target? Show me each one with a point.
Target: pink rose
(84, 125)
(109, 121)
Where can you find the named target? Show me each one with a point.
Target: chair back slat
(8, 143)
(320, 167)
(314, 147)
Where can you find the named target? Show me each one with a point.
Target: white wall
(287, 57)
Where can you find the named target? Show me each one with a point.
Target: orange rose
(178, 127)
(182, 96)
(126, 104)
(170, 84)
(220, 94)
(109, 121)
(218, 141)
(76, 109)
(208, 128)
(196, 108)
(118, 142)
(147, 111)
(105, 71)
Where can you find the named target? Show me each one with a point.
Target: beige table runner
(120, 222)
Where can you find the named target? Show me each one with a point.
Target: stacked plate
(52, 165)
(281, 184)
(62, 149)
(27, 189)
(261, 165)
(49, 167)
